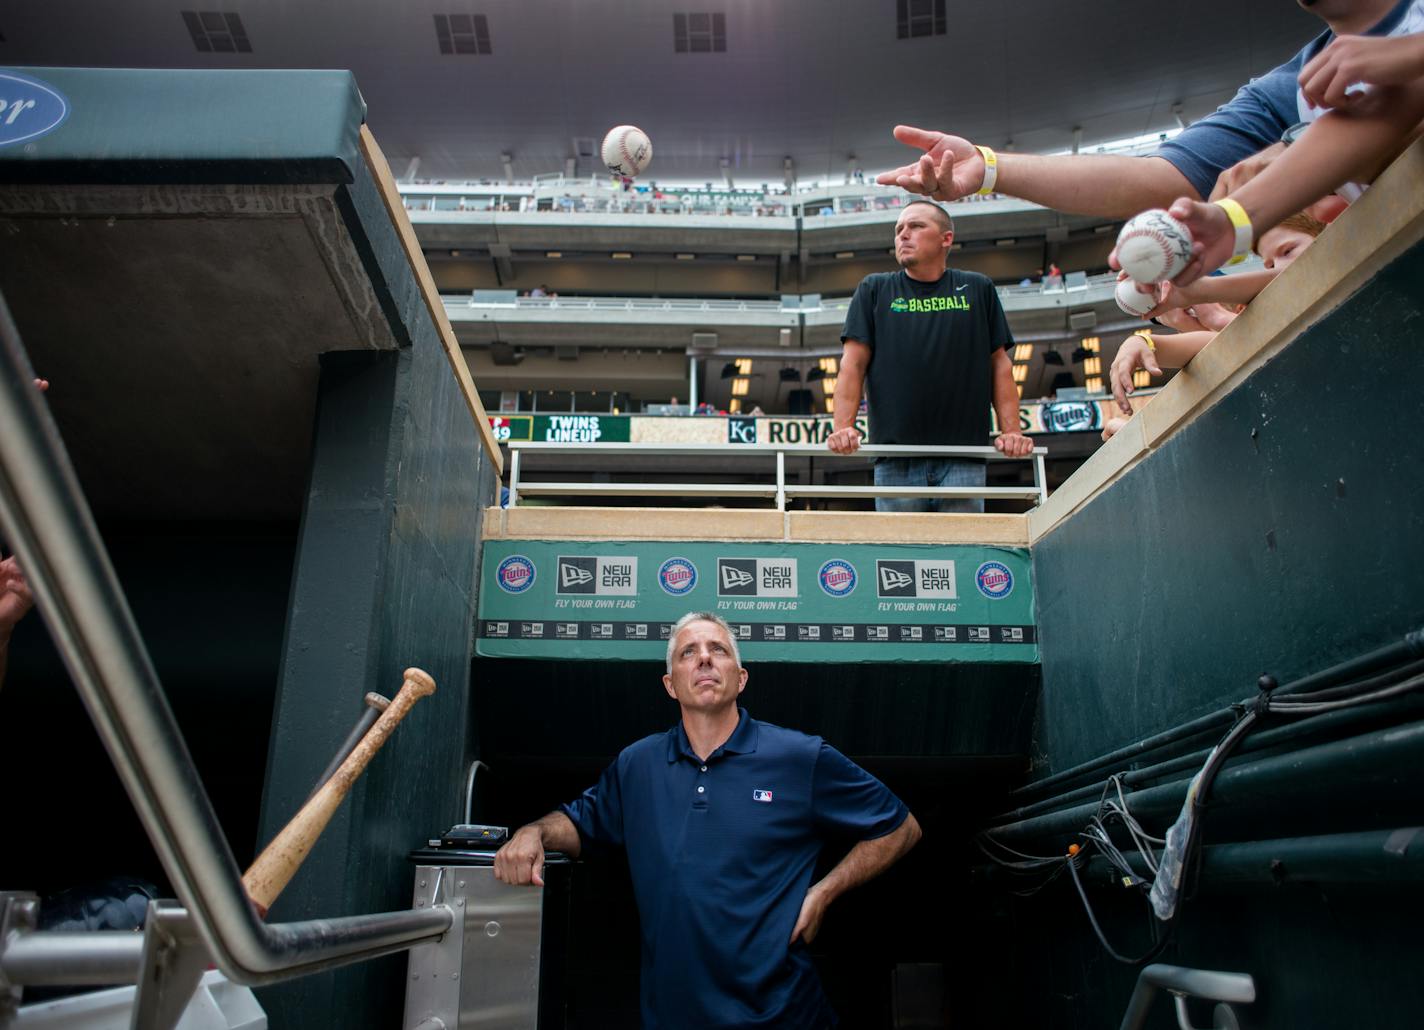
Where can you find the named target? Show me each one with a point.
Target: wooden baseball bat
(280, 860)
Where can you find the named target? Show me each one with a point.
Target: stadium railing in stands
(778, 490)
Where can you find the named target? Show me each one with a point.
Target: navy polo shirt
(721, 855)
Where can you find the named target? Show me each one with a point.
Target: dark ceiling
(816, 80)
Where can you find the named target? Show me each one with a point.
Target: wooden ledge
(586, 523)
(1374, 231)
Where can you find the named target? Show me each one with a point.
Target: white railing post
(513, 476)
(1040, 477)
(780, 479)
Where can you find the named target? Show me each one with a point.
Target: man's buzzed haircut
(941, 215)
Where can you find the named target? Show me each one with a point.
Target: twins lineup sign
(785, 602)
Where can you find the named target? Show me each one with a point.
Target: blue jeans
(929, 472)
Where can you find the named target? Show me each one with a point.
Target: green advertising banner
(785, 601)
(561, 428)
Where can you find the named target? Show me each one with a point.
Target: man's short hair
(943, 215)
(681, 624)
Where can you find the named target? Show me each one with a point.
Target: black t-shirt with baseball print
(931, 344)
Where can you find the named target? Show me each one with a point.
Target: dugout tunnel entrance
(907, 642)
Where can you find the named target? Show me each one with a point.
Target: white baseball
(1132, 299)
(627, 150)
(1154, 246)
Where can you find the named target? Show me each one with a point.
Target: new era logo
(761, 795)
(573, 576)
(756, 577)
(732, 578)
(916, 577)
(599, 574)
(893, 579)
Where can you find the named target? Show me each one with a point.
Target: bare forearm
(1241, 288)
(1107, 185)
(558, 833)
(1175, 350)
(1006, 403)
(1339, 147)
(850, 384)
(869, 859)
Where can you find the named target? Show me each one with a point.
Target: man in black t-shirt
(929, 346)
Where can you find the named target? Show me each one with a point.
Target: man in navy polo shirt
(723, 818)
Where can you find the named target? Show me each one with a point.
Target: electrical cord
(1095, 834)
(1148, 956)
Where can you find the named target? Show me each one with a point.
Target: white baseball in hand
(627, 150)
(1154, 246)
(1134, 298)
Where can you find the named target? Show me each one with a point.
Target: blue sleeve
(860, 317)
(849, 802)
(597, 813)
(1251, 121)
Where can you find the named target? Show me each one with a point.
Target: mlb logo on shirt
(761, 795)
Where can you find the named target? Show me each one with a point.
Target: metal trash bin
(505, 970)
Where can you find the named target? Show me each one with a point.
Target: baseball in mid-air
(1135, 299)
(1154, 246)
(627, 150)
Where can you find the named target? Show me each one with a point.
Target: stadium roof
(755, 81)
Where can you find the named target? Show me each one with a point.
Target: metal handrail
(781, 490)
(1182, 983)
(44, 515)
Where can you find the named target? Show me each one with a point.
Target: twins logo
(515, 574)
(28, 108)
(994, 580)
(677, 576)
(837, 577)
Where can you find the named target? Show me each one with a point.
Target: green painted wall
(386, 578)
(1281, 532)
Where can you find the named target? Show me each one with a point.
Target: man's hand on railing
(844, 441)
(1015, 445)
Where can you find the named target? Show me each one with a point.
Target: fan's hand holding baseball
(521, 860)
(1014, 444)
(844, 441)
(1213, 238)
(1132, 355)
(950, 168)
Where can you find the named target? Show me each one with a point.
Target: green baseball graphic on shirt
(914, 305)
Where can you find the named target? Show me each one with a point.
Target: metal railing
(779, 490)
(625, 304)
(45, 518)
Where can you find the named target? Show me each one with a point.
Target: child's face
(1279, 247)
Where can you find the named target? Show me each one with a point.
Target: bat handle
(279, 861)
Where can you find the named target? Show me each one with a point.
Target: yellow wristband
(1147, 339)
(1245, 235)
(991, 170)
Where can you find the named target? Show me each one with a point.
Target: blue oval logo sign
(28, 108)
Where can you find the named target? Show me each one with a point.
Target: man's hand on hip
(844, 441)
(1015, 445)
(813, 910)
(521, 860)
